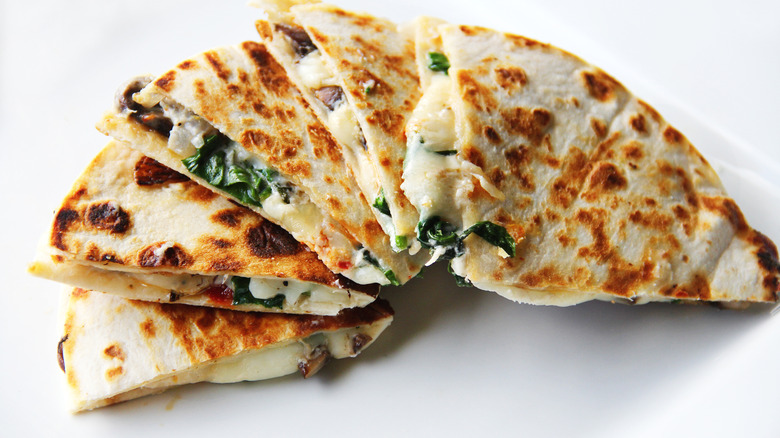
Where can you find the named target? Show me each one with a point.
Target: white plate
(456, 361)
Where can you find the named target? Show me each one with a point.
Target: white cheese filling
(273, 361)
(299, 296)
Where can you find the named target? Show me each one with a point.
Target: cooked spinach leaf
(460, 281)
(438, 62)
(242, 180)
(493, 234)
(380, 203)
(435, 232)
(242, 295)
(389, 274)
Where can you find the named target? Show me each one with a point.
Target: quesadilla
(114, 349)
(358, 74)
(543, 179)
(231, 120)
(133, 227)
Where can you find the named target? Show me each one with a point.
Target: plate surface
(456, 361)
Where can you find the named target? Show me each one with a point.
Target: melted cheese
(273, 361)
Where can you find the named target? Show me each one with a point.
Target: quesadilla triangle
(114, 349)
(358, 74)
(131, 226)
(547, 182)
(231, 120)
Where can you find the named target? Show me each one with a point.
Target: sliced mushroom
(60, 358)
(299, 39)
(314, 361)
(359, 342)
(153, 118)
(331, 96)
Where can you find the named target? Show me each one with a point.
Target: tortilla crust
(612, 201)
(374, 64)
(127, 214)
(268, 116)
(115, 349)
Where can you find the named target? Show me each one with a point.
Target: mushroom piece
(60, 358)
(299, 39)
(314, 361)
(331, 96)
(359, 342)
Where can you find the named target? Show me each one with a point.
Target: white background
(456, 362)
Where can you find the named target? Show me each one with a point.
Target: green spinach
(438, 62)
(242, 295)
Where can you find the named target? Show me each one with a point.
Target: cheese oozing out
(273, 361)
(299, 296)
(297, 214)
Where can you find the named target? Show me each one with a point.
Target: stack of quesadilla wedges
(255, 197)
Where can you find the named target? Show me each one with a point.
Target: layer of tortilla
(115, 349)
(246, 94)
(372, 60)
(604, 198)
(115, 224)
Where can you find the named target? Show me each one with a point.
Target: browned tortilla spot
(638, 123)
(475, 93)
(510, 78)
(600, 85)
(390, 122)
(62, 221)
(173, 256)
(672, 135)
(230, 217)
(268, 240)
(166, 81)
(107, 216)
(114, 351)
(114, 372)
(625, 278)
(728, 209)
(148, 328)
(531, 124)
(598, 126)
(491, 135)
(187, 65)
(604, 178)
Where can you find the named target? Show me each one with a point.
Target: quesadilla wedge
(231, 120)
(358, 73)
(114, 349)
(548, 182)
(131, 226)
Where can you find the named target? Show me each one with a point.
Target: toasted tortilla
(371, 63)
(599, 195)
(133, 227)
(246, 95)
(114, 349)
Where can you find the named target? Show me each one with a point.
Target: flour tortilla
(244, 93)
(114, 349)
(372, 61)
(603, 198)
(133, 227)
